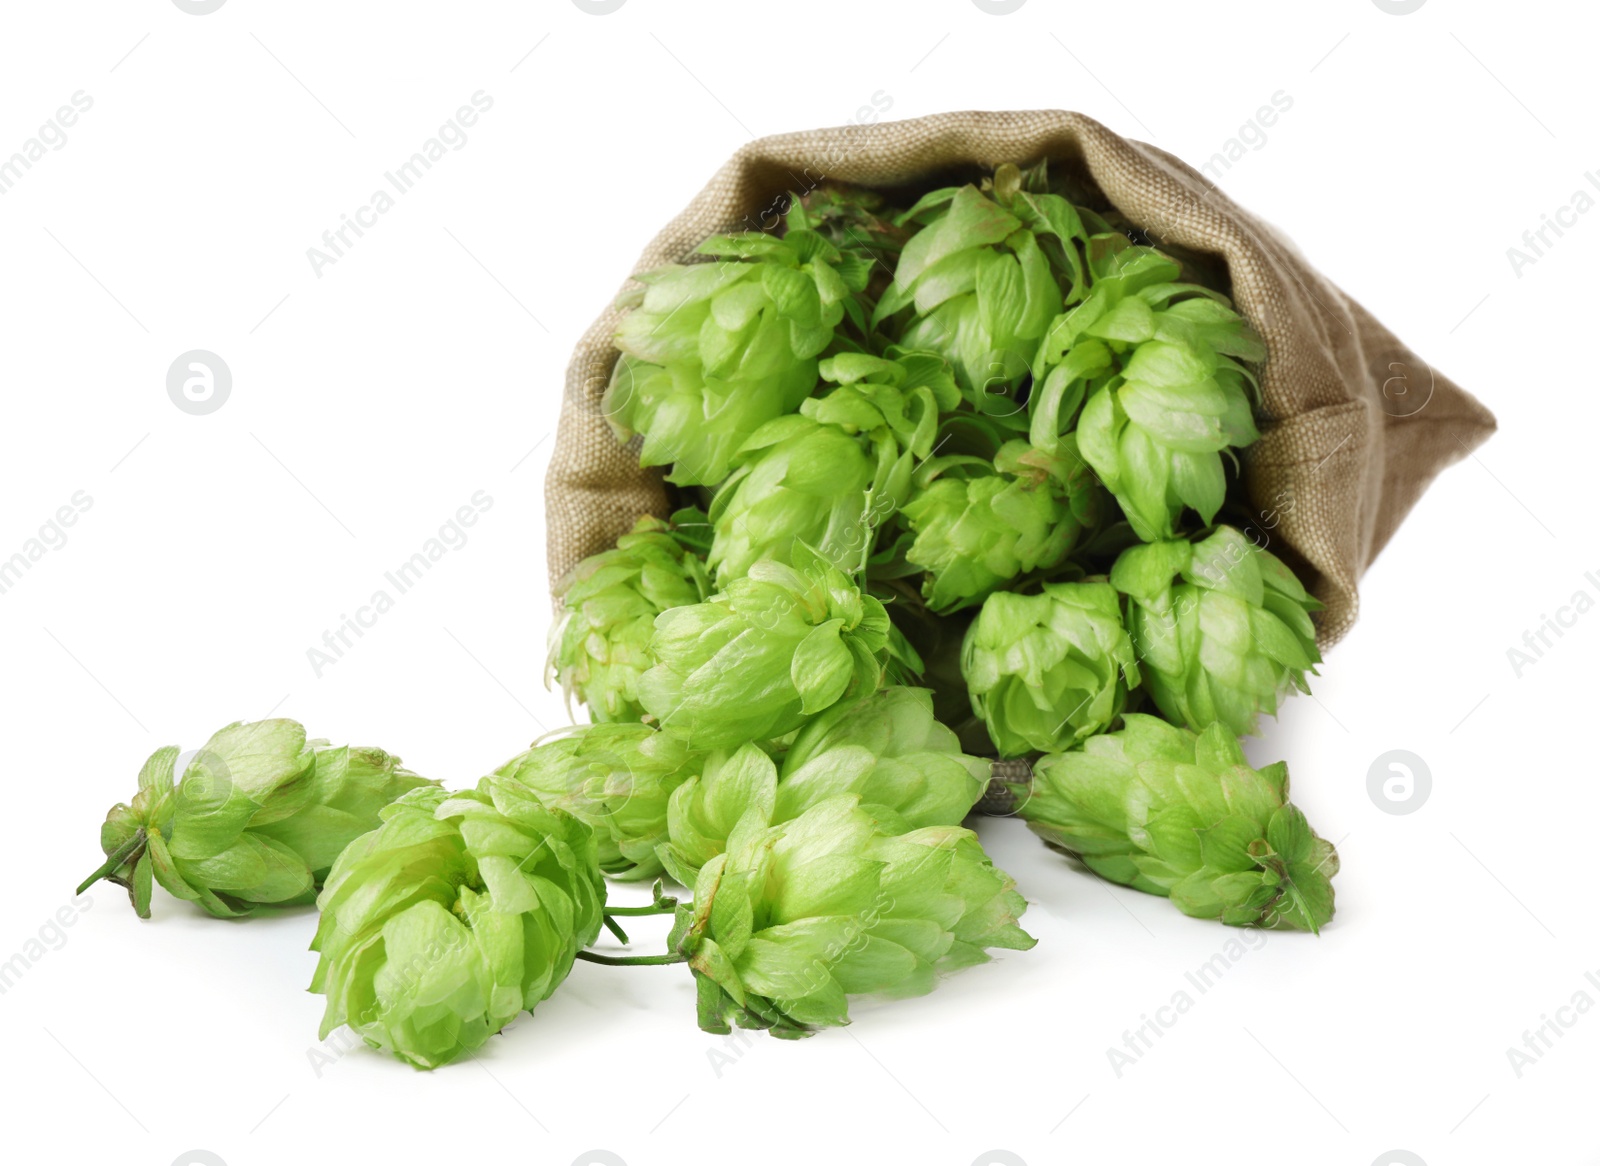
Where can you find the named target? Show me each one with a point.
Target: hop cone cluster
(777, 646)
(792, 919)
(256, 819)
(601, 645)
(712, 351)
(1047, 671)
(1222, 628)
(455, 915)
(1180, 814)
(997, 425)
(886, 750)
(616, 778)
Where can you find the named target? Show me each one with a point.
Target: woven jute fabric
(1356, 424)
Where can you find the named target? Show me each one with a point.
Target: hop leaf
(795, 918)
(601, 644)
(256, 819)
(714, 350)
(1047, 671)
(456, 914)
(1222, 628)
(617, 779)
(754, 662)
(1181, 814)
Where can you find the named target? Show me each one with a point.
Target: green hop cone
(1165, 396)
(1222, 627)
(1180, 814)
(777, 646)
(1047, 671)
(795, 918)
(601, 645)
(829, 475)
(256, 819)
(617, 779)
(458, 913)
(985, 277)
(889, 750)
(712, 351)
(798, 482)
(886, 749)
(978, 525)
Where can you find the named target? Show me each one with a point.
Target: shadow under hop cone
(256, 819)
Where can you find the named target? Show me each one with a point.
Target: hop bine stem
(626, 961)
(662, 906)
(119, 856)
(666, 908)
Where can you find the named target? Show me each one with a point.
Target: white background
(372, 401)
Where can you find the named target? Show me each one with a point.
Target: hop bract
(714, 350)
(754, 662)
(1174, 813)
(828, 476)
(458, 913)
(601, 646)
(704, 810)
(1222, 628)
(256, 818)
(1046, 671)
(794, 918)
(906, 769)
(616, 778)
(1164, 398)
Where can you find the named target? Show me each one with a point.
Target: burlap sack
(1357, 424)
